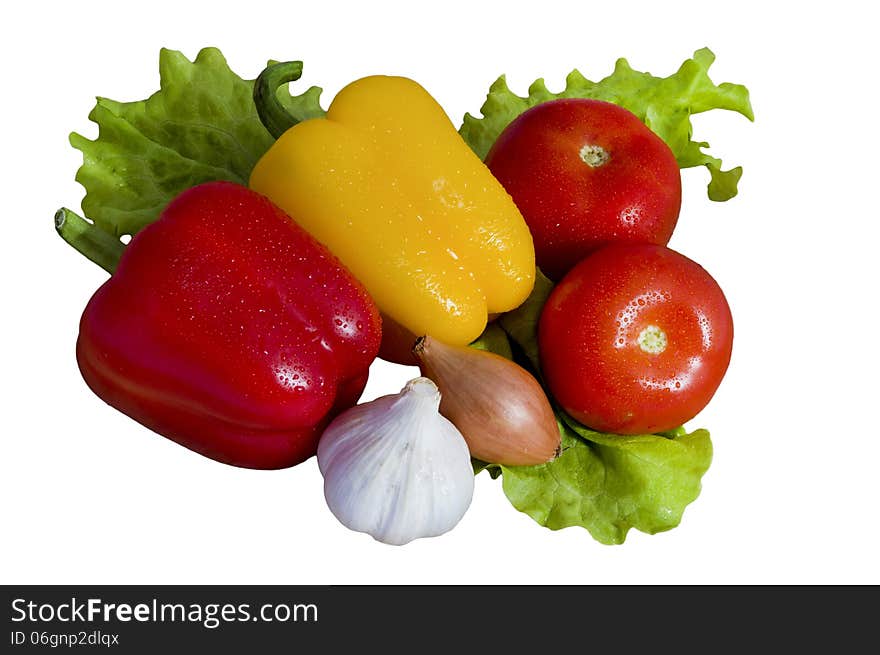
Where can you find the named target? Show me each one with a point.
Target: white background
(89, 496)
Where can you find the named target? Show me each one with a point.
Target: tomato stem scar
(593, 155)
(652, 340)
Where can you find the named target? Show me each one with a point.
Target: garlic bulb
(395, 468)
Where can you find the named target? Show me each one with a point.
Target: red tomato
(585, 173)
(635, 339)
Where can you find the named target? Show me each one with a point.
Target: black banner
(270, 619)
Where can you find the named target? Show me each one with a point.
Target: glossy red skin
(588, 339)
(230, 330)
(571, 208)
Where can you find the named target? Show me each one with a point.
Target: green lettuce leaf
(200, 126)
(664, 104)
(609, 484)
(605, 483)
(492, 469)
(494, 339)
(521, 324)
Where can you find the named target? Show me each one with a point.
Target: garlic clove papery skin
(395, 468)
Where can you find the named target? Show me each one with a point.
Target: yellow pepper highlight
(390, 187)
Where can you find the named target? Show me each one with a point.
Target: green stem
(272, 113)
(90, 240)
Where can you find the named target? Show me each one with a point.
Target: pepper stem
(272, 113)
(90, 240)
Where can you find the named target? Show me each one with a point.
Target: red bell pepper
(229, 329)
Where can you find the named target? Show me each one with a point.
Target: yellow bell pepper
(389, 186)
